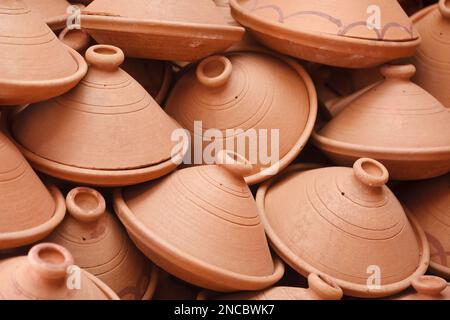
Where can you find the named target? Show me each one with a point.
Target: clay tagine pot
(429, 202)
(184, 30)
(77, 39)
(29, 210)
(320, 288)
(53, 12)
(201, 224)
(254, 95)
(395, 122)
(113, 134)
(34, 65)
(427, 288)
(432, 58)
(344, 223)
(100, 246)
(45, 274)
(339, 33)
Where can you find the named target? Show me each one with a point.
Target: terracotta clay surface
(427, 288)
(432, 58)
(28, 210)
(42, 275)
(100, 246)
(429, 202)
(330, 32)
(52, 12)
(113, 133)
(320, 288)
(34, 65)
(77, 39)
(184, 30)
(395, 122)
(248, 92)
(344, 223)
(201, 224)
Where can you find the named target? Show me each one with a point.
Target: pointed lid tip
(370, 172)
(85, 204)
(105, 57)
(214, 71)
(50, 260)
(429, 285)
(444, 8)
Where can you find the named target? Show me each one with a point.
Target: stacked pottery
(53, 12)
(427, 288)
(100, 246)
(45, 274)
(201, 224)
(245, 94)
(113, 133)
(395, 122)
(432, 58)
(344, 223)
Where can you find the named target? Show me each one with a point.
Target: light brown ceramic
(429, 202)
(330, 32)
(427, 288)
(432, 58)
(100, 246)
(28, 210)
(52, 12)
(45, 275)
(113, 133)
(395, 122)
(34, 65)
(184, 30)
(256, 93)
(77, 39)
(201, 224)
(320, 288)
(344, 223)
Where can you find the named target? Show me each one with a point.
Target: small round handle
(399, 72)
(324, 287)
(429, 285)
(105, 57)
(444, 8)
(234, 163)
(85, 204)
(50, 261)
(214, 71)
(370, 172)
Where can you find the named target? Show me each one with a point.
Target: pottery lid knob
(429, 285)
(234, 163)
(444, 8)
(214, 71)
(324, 287)
(85, 204)
(105, 57)
(370, 172)
(399, 72)
(50, 261)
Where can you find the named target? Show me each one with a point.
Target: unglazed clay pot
(77, 39)
(429, 202)
(344, 223)
(334, 32)
(201, 224)
(34, 65)
(112, 134)
(53, 12)
(395, 122)
(320, 288)
(432, 58)
(184, 30)
(45, 275)
(28, 210)
(268, 99)
(100, 246)
(427, 288)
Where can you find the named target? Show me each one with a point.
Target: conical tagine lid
(427, 288)
(429, 202)
(101, 247)
(48, 273)
(320, 288)
(267, 104)
(53, 12)
(34, 65)
(432, 58)
(107, 131)
(344, 223)
(395, 122)
(180, 30)
(201, 224)
(28, 210)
